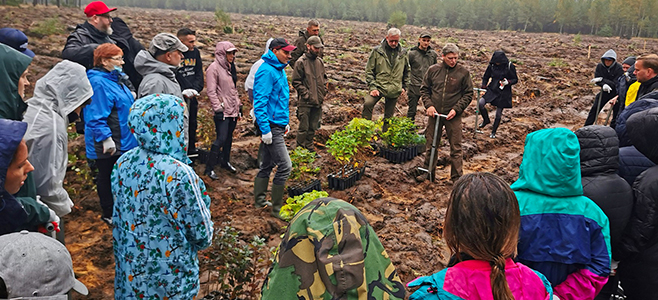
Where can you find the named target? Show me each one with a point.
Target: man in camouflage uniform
(348, 264)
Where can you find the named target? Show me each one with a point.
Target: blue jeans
(275, 154)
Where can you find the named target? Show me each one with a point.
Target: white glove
(596, 80)
(267, 138)
(606, 88)
(285, 133)
(134, 95)
(53, 216)
(109, 147)
(189, 93)
(628, 77)
(555, 297)
(251, 114)
(503, 83)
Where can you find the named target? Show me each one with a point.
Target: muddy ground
(553, 91)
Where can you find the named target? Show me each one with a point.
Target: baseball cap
(33, 265)
(315, 42)
(16, 39)
(97, 8)
(425, 34)
(281, 43)
(166, 42)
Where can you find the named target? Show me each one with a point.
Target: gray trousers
(275, 155)
(309, 121)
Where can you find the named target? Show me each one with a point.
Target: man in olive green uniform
(309, 80)
(313, 29)
(447, 89)
(387, 74)
(421, 58)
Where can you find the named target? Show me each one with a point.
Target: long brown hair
(483, 221)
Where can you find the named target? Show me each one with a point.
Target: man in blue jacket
(271, 96)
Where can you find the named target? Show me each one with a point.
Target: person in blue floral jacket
(161, 216)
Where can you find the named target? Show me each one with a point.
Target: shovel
(435, 142)
(477, 110)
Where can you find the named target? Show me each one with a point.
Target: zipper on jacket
(445, 82)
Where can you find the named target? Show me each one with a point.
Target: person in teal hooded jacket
(161, 212)
(564, 235)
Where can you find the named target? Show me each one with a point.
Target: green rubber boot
(260, 189)
(277, 199)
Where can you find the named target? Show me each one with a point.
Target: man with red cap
(82, 42)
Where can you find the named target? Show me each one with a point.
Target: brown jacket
(447, 88)
(310, 80)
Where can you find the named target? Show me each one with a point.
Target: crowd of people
(580, 221)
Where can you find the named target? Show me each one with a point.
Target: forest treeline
(628, 18)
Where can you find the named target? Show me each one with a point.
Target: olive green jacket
(447, 88)
(388, 77)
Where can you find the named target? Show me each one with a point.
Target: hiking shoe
(107, 221)
(483, 124)
(493, 136)
(212, 175)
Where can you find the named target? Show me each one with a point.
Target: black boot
(213, 158)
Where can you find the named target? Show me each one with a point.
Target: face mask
(118, 68)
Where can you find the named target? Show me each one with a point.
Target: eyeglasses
(104, 16)
(117, 58)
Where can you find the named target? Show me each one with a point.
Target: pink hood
(222, 92)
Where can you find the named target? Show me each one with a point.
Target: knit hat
(629, 61)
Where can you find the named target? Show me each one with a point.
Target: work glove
(267, 138)
(189, 93)
(606, 88)
(285, 133)
(503, 83)
(555, 297)
(134, 95)
(596, 80)
(251, 114)
(627, 76)
(109, 147)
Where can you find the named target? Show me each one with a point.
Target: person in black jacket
(130, 46)
(499, 90)
(646, 70)
(190, 77)
(606, 74)
(82, 42)
(638, 269)
(599, 161)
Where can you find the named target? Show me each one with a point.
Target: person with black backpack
(498, 80)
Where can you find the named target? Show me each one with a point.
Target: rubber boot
(277, 199)
(213, 158)
(260, 188)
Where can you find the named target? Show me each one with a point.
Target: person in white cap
(35, 266)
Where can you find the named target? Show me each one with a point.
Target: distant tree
(397, 19)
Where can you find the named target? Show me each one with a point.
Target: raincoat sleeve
(194, 214)
(426, 89)
(467, 94)
(405, 73)
(97, 112)
(298, 80)
(213, 87)
(263, 84)
(486, 77)
(371, 68)
(37, 213)
(587, 282)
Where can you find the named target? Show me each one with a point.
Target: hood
(270, 58)
(331, 252)
(120, 30)
(157, 123)
(551, 164)
(146, 64)
(63, 88)
(642, 131)
(499, 57)
(610, 54)
(267, 45)
(11, 137)
(220, 54)
(599, 150)
(12, 66)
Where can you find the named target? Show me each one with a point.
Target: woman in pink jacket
(221, 78)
